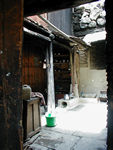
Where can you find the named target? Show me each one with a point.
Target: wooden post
(72, 75)
(11, 23)
(109, 57)
(75, 74)
(50, 75)
(48, 79)
(75, 69)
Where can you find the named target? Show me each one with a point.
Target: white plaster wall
(92, 81)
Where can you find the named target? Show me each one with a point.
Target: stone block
(101, 21)
(68, 103)
(92, 24)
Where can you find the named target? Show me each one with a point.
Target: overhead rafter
(31, 7)
(35, 34)
(32, 28)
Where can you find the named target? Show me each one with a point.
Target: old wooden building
(11, 43)
(65, 57)
(48, 70)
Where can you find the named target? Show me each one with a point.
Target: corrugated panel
(62, 20)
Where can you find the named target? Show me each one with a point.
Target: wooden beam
(31, 25)
(31, 7)
(11, 22)
(61, 45)
(37, 35)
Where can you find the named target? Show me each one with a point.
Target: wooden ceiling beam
(32, 7)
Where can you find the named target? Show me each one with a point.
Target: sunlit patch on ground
(81, 128)
(89, 118)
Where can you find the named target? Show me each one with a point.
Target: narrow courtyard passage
(80, 128)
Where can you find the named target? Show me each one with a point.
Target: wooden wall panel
(33, 72)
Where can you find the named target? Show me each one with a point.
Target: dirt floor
(80, 128)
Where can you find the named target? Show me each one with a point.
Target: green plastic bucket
(50, 121)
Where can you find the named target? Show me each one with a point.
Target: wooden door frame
(11, 34)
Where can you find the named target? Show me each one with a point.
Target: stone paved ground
(81, 128)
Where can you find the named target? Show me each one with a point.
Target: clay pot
(26, 92)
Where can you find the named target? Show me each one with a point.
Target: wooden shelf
(61, 56)
(62, 72)
(60, 63)
(62, 91)
(63, 80)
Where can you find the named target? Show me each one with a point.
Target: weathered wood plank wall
(33, 72)
(11, 22)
